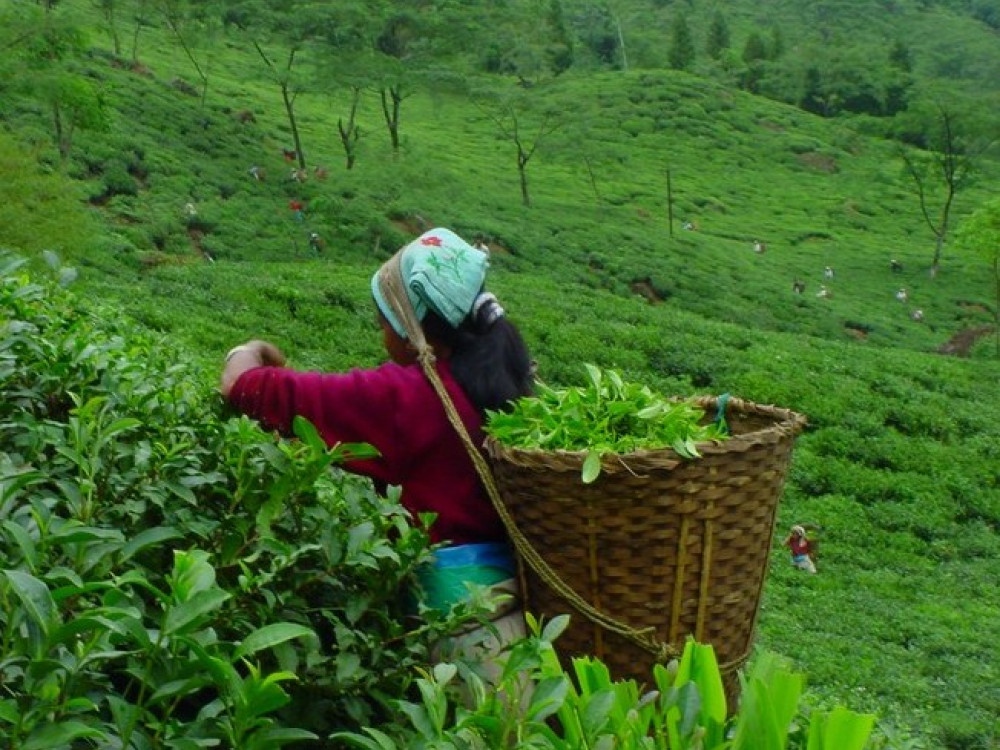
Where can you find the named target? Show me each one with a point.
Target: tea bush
(541, 704)
(173, 576)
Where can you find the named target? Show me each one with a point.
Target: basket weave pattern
(677, 546)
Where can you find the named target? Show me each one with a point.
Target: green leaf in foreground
(35, 597)
(272, 635)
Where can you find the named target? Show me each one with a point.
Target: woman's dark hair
(489, 358)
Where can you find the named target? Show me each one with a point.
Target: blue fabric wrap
(444, 582)
(490, 554)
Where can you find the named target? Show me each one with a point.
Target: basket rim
(786, 426)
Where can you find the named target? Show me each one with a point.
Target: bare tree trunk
(392, 97)
(621, 43)
(172, 22)
(350, 133)
(135, 34)
(942, 232)
(287, 96)
(109, 15)
(513, 131)
(522, 171)
(64, 131)
(939, 228)
(58, 126)
(955, 161)
(593, 178)
(996, 308)
(670, 205)
(289, 100)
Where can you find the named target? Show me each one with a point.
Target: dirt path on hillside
(960, 345)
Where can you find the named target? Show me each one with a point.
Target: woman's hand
(245, 357)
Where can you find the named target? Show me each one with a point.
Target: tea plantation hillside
(164, 223)
(741, 169)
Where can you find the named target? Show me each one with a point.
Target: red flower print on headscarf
(436, 241)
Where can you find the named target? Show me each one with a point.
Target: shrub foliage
(173, 576)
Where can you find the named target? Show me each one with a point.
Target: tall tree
(559, 48)
(395, 43)
(900, 78)
(345, 61)
(941, 172)
(420, 43)
(776, 48)
(350, 131)
(813, 97)
(754, 49)
(900, 56)
(593, 25)
(525, 128)
(980, 235)
(416, 40)
(754, 58)
(282, 33)
(618, 20)
(140, 19)
(188, 24)
(109, 13)
(680, 54)
(526, 39)
(718, 36)
(45, 45)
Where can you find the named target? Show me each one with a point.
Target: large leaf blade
(36, 598)
(270, 636)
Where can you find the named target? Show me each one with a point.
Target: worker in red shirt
(802, 549)
(430, 299)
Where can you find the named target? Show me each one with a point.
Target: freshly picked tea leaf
(608, 415)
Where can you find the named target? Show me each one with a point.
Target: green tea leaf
(555, 627)
(445, 672)
(148, 538)
(188, 612)
(840, 729)
(591, 467)
(547, 697)
(24, 542)
(377, 741)
(270, 636)
(306, 431)
(61, 734)
(9, 712)
(35, 597)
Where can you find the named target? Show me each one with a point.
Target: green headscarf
(439, 271)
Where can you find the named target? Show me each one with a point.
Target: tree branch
(917, 178)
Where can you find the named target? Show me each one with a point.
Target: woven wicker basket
(661, 544)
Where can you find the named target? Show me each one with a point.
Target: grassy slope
(899, 465)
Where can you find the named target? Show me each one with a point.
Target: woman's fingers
(270, 355)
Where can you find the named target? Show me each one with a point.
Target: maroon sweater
(395, 409)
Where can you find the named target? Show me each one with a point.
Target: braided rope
(393, 288)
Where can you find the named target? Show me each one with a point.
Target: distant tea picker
(803, 549)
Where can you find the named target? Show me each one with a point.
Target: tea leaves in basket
(606, 416)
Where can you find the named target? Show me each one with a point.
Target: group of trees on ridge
(381, 42)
